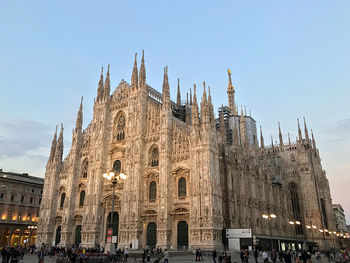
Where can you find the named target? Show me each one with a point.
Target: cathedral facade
(189, 176)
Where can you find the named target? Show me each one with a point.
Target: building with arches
(190, 175)
(20, 198)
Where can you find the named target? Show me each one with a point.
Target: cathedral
(189, 176)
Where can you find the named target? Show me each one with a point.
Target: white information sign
(239, 233)
(114, 239)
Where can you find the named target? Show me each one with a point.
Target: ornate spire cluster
(299, 137)
(231, 95)
(178, 99)
(142, 76)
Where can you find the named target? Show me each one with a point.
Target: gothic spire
(222, 125)
(178, 101)
(195, 113)
(261, 139)
(134, 77)
(243, 130)
(280, 134)
(166, 88)
(190, 96)
(100, 86)
(204, 93)
(313, 140)
(306, 130)
(53, 145)
(209, 95)
(107, 85)
(79, 122)
(187, 99)
(235, 134)
(142, 77)
(194, 94)
(231, 95)
(299, 132)
(289, 139)
(272, 141)
(59, 147)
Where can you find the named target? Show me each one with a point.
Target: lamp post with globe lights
(295, 223)
(269, 217)
(113, 176)
(312, 227)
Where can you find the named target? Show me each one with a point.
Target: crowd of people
(78, 254)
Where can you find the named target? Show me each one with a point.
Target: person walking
(265, 257)
(126, 254)
(273, 256)
(246, 256)
(287, 257)
(256, 255)
(41, 256)
(166, 256)
(214, 255)
(241, 255)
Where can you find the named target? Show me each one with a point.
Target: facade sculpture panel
(189, 175)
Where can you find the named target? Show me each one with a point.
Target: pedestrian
(256, 255)
(166, 256)
(214, 255)
(200, 253)
(41, 256)
(246, 256)
(265, 257)
(126, 254)
(288, 257)
(273, 256)
(241, 255)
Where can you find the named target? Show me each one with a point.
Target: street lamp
(297, 223)
(312, 227)
(113, 176)
(269, 217)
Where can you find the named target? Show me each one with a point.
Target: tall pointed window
(121, 128)
(295, 206)
(117, 166)
(152, 191)
(324, 215)
(63, 197)
(82, 198)
(84, 168)
(182, 187)
(154, 158)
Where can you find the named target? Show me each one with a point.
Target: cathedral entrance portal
(151, 235)
(78, 235)
(115, 223)
(182, 235)
(58, 236)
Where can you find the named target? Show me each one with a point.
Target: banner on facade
(239, 233)
(114, 239)
(109, 239)
(109, 232)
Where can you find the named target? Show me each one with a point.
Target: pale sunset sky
(288, 59)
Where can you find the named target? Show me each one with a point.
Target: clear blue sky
(289, 59)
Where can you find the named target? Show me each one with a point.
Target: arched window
(121, 128)
(295, 206)
(82, 198)
(152, 191)
(324, 215)
(182, 187)
(63, 196)
(292, 157)
(84, 168)
(154, 157)
(117, 166)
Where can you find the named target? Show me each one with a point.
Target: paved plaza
(28, 258)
